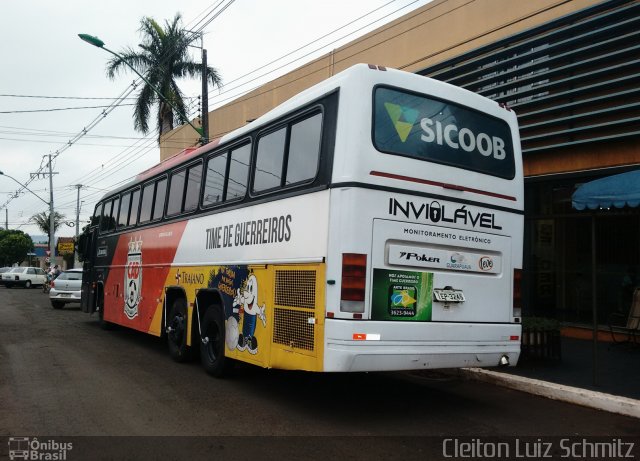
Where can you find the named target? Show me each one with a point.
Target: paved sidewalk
(617, 387)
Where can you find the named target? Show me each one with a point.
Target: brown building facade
(571, 71)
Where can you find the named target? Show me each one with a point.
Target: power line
(227, 90)
(99, 118)
(58, 109)
(55, 97)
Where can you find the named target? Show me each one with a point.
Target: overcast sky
(46, 66)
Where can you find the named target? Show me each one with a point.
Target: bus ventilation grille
(295, 300)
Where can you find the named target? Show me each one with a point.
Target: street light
(95, 41)
(52, 231)
(22, 185)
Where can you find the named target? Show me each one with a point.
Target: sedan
(66, 288)
(24, 276)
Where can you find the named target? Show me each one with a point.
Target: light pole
(52, 234)
(95, 41)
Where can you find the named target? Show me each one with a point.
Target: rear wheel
(27, 284)
(212, 343)
(57, 304)
(177, 331)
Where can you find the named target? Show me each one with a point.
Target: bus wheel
(212, 343)
(177, 331)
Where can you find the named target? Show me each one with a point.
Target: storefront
(558, 248)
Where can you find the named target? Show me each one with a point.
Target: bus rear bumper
(438, 346)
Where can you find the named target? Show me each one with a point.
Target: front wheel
(212, 343)
(27, 284)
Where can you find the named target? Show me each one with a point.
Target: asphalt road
(61, 375)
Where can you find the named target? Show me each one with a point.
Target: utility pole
(205, 99)
(6, 219)
(52, 230)
(77, 186)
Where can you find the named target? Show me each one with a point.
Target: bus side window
(133, 212)
(269, 159)
(114, 214)
(158, 204)
(176, 192)
(124, 210)
(106, 216)
(304, 150)
(147, 202)
(95, 219)
(193, 187)
(238, 172)
(214, 183)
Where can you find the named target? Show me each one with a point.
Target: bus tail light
(354, 277)
(517, 294)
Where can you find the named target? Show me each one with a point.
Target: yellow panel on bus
(274, 315)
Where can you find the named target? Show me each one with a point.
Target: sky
(54, 88)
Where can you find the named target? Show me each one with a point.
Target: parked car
(2, 271)
(66, 288)
(24, 276)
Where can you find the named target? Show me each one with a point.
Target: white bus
(372, 222)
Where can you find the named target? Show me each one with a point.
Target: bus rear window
(439, 131)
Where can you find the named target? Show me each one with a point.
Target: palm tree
(163, 57)
(42, 221)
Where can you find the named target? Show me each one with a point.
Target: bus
(372, 222)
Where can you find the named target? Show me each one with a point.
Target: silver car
(66, 288)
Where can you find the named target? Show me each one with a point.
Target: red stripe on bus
(441, 184)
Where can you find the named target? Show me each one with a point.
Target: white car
(66, 288)
(24, 276)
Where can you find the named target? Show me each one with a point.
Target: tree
(163, 58)
(42, 221)
(14, 246)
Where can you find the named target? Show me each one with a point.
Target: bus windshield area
(439, 131)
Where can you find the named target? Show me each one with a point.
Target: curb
(587, 398)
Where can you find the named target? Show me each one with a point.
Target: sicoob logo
(403, 119)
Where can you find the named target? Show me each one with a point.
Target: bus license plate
(448, 296)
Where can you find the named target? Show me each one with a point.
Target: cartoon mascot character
(247, 301)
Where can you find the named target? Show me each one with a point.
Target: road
(61, 375)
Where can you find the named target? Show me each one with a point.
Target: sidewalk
(617, 385)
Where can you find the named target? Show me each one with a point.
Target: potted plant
(540, 338)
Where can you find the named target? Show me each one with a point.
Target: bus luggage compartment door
(433, 273)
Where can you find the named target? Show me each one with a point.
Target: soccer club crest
(133, 278)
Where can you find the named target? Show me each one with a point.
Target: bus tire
(212, 344)
(177, 331)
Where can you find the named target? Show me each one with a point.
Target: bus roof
(357, 71)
